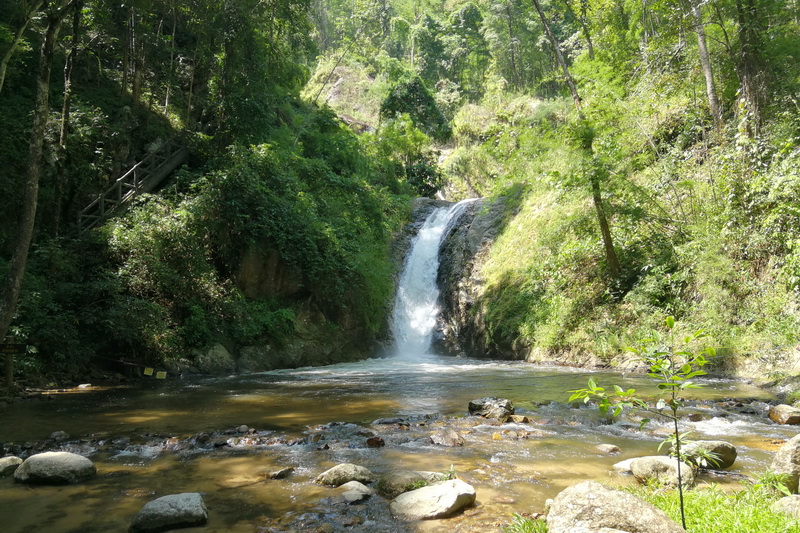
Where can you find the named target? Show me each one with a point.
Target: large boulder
(724, 453)
(589, 507)
(55, 468)
(341, 474)
(784, 414)
(170, 512)
(662, 469)
(396, 482)
(434, 501)
(8, 465)
(499, 408)
(787, 461)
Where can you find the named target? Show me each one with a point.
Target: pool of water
(514, 467)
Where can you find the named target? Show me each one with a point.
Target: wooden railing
(143, 177)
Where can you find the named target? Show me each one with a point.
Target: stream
(158, 438)
(226, 437)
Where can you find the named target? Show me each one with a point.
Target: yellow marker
(161, 375)
(148, 371)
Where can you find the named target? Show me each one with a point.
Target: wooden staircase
(143, 177)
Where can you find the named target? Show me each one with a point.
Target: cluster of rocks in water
(410, 495)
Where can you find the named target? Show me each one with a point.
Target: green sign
(13, 349)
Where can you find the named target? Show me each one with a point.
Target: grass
(708, 510)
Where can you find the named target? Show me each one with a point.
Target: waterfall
(416, 305)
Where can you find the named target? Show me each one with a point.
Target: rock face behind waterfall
(461, 330)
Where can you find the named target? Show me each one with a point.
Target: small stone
(375, 442)
(243, 429)
(342, 473)
(695, 417)
(519, 419)
(282, 473)
(784, 414)
(608, 449)
(59, 436)
(8, 465)
(447, 437)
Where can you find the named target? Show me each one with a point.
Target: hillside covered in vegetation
(647, 154)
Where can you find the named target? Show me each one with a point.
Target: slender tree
(586, 139)
(29, 14)
(705, 64)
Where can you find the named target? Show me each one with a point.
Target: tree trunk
(17, 38)
(608, 243)
(559, 56)
(705, 65)
(514, 72)
(749, 65)
(69, 65)
(24, 233)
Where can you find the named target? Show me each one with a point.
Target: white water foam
(416, 306)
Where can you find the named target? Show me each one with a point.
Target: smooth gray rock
(789, 505)
(434, 501)
(396, 482)
(499, 408)
(662, 469)
(725, 451)
(55, 468)
(354, 492)
(8, 465)
(787, 461)
(589, 507)
(784, 414)
(608, 449)
(170, 512)
(341, 474)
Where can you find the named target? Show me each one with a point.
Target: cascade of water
(416, 304)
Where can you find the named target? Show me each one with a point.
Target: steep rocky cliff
(461, 329)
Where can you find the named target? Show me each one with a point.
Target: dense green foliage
(687, 145)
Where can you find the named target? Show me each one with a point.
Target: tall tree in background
(585, 138)
(705, 64)
(56, 12)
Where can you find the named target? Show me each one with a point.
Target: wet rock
(790, 505)
(355, 492)
(784, 414)
(499, 408)
(170, 512)
(520, 419)
(724, 453)
(396, 482)
(787, 461)
(389, 421)
(447, 437)
(55, 468)
(59, 436)
(434, 501)
(375, 442)
(608, 449)
(8, 465)
(662, 469)
(282, 473)
(342, 473)
(243, 429)
(589, 507)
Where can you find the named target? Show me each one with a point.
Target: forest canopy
(647, 152)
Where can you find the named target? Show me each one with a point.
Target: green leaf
(670, 322)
